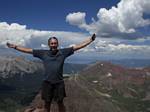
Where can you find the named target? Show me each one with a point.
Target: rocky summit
(104, 87)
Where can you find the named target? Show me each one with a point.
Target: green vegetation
(14, 101)
(131, 104)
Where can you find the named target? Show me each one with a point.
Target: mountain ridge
(104, 87)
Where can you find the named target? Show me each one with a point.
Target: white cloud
(38, 39)
(20, 35)
(44, 45)
(110, 46)
(129, 48)
(107, 47)
(76, 18)
(13, 26)
(123, 19)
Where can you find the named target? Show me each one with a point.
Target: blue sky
(49, 14)
(122, 26)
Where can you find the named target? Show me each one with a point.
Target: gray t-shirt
(53, 64)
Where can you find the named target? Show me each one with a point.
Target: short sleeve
(68, 51)
(38, 53)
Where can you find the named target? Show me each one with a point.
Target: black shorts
(54, 92)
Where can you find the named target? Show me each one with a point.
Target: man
(53, 59)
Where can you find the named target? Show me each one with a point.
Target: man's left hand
(93, 37)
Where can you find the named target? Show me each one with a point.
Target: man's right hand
(19, 48)
(11, 45)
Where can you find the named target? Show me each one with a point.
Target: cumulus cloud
(20, 35)
(122, 20)
(13, 26)
(76, 18)
(111, 48)
(122, 48)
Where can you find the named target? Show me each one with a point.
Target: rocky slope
(20, 79)
(10, 66)
(104, 87)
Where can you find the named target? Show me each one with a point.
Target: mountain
(16, 71)
(100, 87)
(20, 73)
(104, 87)
(20, 79)
(134, 63)
(10, 66)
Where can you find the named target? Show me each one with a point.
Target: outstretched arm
(22, 49)
(84, 43)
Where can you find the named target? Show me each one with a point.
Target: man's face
(53, 44)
